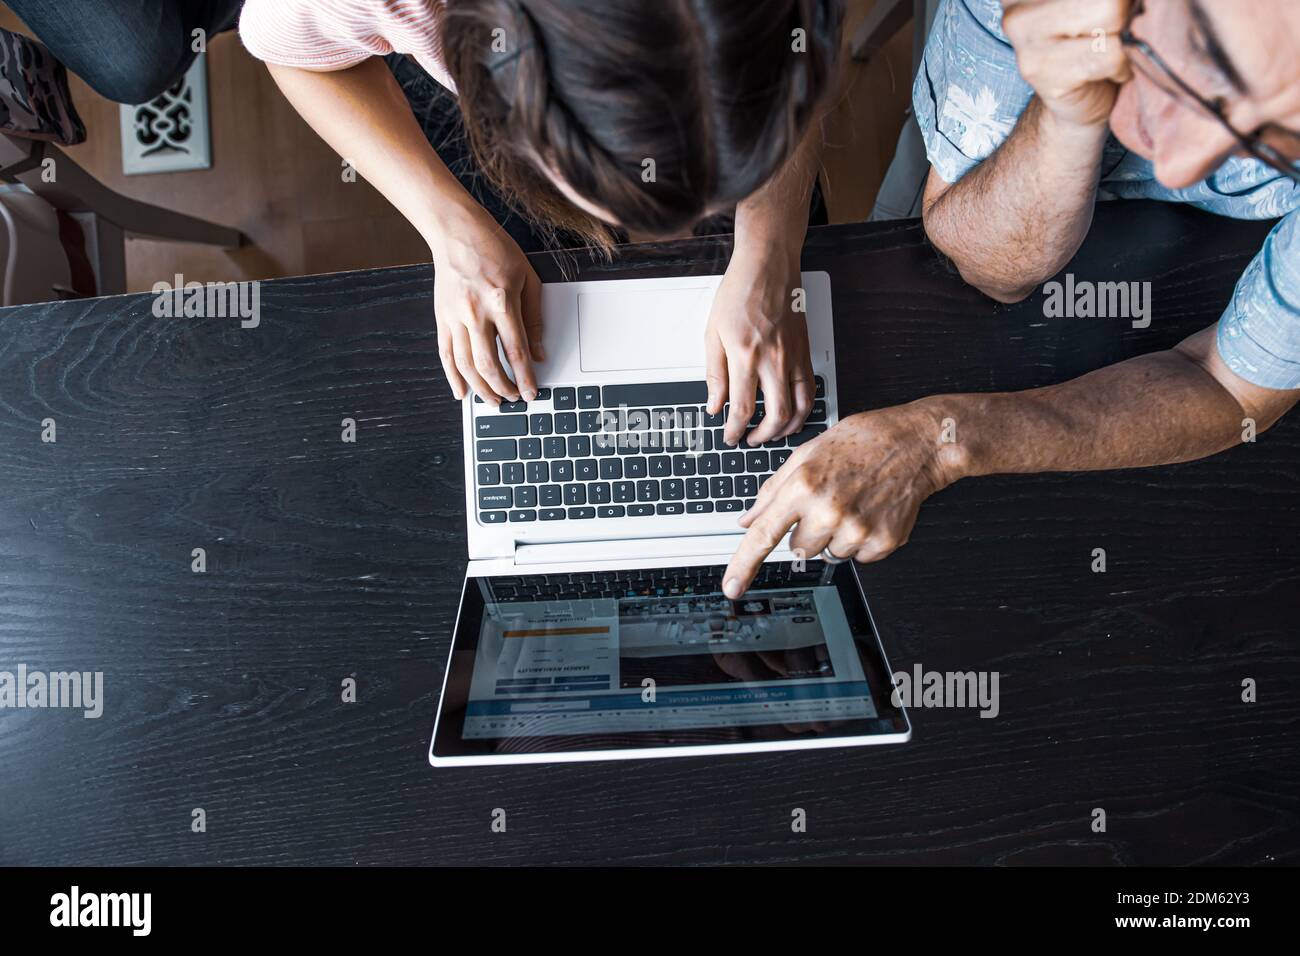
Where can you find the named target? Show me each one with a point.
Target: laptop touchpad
(622, 331)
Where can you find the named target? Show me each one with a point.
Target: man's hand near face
(1014, 220)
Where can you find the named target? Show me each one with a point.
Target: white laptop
(592, 623)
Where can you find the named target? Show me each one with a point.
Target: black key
(541, 423)
(674, 489)
(586, 469)
(661, 466)
(561, 471)
(530, 449)
(746, 486)
(749, 503)
(519, 406)
(512, 472)
(629, 444)
(489, 474)
(652, 442)
(672, 508)
(477, 399)
(575, 494)
(638, 420)
(818, 413)
(733, 462)
(757, 417)
(579, 446)
(808, 434)
(697, 488)
(490, 499)
(719, 441)
(699, 507)
(656, 393)
(675, 441)
(523, 516)
(663, 419)
(762, 480)
(553, 447)
(588, 422)
(598, 493)
(710, 464)
(539, 473)
(551, 495)
(625, 491)
(611, 468)
(647, 490)
(640, 511)
(500, 426)
(604, 444)
(732, 505)
(492, 517)
(582, 513)
(635, 467)
(774, 443)
(564, 398)
(566, 423)
(756, 461)
(525, 496)
(500, 449)
(819, 385)
(683, 466)
(713, 421)
(688, 418)
(779, 458)
(721, 487)
(699, 441)
(611, 511)
(589, 396)
(543, 395)
(613, 420)
(552, 514)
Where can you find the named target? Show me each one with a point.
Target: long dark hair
(716, 93)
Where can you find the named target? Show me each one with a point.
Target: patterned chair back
(35, 102)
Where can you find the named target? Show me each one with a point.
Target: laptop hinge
(721, 546)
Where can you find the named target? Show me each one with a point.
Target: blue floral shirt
(968, 96)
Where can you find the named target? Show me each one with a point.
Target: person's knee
(136, 76)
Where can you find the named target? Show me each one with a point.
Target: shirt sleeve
(313, 34)
(1259, 334)
(968, 93)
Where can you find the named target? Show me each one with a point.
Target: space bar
(655, 393)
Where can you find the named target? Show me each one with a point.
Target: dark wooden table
(328, 560)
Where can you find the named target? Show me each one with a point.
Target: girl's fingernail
(731, 588)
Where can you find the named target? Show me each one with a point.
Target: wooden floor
(273, 179)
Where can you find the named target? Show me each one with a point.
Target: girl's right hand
(484, 288)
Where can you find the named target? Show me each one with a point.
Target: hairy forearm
(361, 113)
(1016, 219)
(1157, 409)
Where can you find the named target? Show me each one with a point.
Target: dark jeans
(127, 50)
(439, 116)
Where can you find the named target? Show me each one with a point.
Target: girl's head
(645, 116)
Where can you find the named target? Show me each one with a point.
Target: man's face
(1243, 52)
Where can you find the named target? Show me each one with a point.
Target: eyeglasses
(1259, 145)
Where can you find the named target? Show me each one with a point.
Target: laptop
(601, 515)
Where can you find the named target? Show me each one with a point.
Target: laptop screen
(659, 657)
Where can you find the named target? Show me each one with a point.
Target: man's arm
(1013, 221)
(857, 488)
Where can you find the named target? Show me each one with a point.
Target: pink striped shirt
(336, 34)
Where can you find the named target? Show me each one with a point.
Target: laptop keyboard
(588, 452)
(649, 582)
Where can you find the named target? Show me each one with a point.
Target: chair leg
(74, 190)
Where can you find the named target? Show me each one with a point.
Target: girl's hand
(484, 288)
(755, 339)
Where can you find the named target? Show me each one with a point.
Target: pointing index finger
(764, 534)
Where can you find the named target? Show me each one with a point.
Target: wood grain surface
(328, 560)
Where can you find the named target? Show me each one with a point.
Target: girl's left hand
(755, 339)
